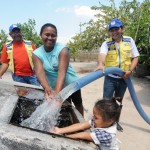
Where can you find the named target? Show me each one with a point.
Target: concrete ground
(136, 134)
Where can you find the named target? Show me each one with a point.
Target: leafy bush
(144, 59)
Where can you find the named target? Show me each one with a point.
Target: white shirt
(104, 48)
(104, 137)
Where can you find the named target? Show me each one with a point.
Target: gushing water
(67, 91)
(45, 116)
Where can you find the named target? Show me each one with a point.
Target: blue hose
(81, 82)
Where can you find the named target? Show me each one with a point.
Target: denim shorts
(26, 79)
(114, 87)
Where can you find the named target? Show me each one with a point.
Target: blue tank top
(50, 61)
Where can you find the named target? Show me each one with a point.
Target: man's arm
(101, 62)
(134, 63)
(3, 69)
(132, 67)
(4, 60)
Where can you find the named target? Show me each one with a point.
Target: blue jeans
(26, 79)
(114, 87)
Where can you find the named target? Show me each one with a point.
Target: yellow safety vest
(119, 57)
(9, 48)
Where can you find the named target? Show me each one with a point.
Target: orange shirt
(0, 57)
(21, 61)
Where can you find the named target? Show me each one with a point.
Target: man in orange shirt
(17, 55)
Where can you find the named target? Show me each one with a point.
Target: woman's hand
(49, 94)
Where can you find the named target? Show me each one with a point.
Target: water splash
(67, 91)
(44, 117)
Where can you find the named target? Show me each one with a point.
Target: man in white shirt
(118, 51)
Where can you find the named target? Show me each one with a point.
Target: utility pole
(80, 36)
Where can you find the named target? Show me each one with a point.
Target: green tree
(134, 15)
(29, 32)
(75, 47)
(3, 39)
(95, 31)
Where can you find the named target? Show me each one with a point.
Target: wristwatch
(131, 70)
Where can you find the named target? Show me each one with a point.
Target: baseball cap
(13, 26)
(115, 23)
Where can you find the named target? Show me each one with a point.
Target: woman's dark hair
(47, 25)
(109, 109)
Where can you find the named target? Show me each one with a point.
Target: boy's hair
(109, 109)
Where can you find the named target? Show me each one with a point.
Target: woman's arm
(64, 59)
(41, 76)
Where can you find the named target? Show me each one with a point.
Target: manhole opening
(25, 107)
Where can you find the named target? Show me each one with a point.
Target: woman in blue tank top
(51, 62)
